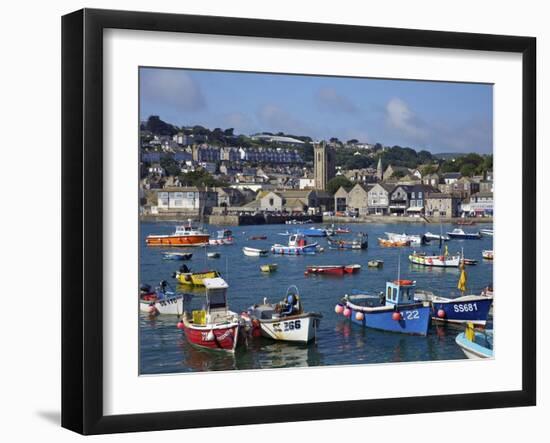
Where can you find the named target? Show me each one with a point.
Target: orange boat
(185, 235)
(393, 243)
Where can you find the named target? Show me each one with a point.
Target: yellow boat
(269, 268)
(195, 278)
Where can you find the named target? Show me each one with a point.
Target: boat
(352, 269)
(468, 261)
(283, 321)
(269, 268)
(254, 252)
(487, 254)
(438, 237)
(443, 261)
(186, 277)
(391, 243)
(184, 235)
(460, 234)
(375, 263)
(223, 237)
(297, 245)
(325, 270)
(177, 255)
(488, 232)
(462, 309)
(361, 242)
(476, 344)
(313, 232)
(160, 301)
(394, 310)
(415, 240)
(213, 254)
(298, 222)
(335, 230)
(258, 237)
(214, 327)
(465, 222)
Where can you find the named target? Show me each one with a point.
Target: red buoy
(441, 313)
(396, 316)
(179, 325)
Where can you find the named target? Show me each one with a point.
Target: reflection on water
(164, 349)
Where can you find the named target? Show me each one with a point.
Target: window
(271, 202)
(420, 194)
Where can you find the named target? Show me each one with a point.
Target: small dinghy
(258, 237)
(325, 270)
(213, 254)
(186, 277)
(476, 344)
(272, 267)
(488, 232)
(361, 242)
(177, 255)
(487, 254)
(254, 252)
(375, 263)
(283, 321)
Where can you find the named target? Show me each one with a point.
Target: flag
(463, 278)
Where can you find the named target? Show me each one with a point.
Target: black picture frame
(82, 218)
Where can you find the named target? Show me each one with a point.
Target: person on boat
(382, 298)
(184, 269)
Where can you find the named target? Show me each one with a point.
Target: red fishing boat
(326, 269)
(213, 327)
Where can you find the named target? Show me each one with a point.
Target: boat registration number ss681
(286, 326)
(465, 307)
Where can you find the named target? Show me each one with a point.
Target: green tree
(170, 166)
(334, 183)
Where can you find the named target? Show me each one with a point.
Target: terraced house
(378, 199)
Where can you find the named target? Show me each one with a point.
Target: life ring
(403, 282)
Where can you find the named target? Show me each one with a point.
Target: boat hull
(177, 256)
(346, 244)
(464, 236)
(251, 252)
(469, 309)
(296, 328)
(217, 338)
(294, 250)
(326, 270)
(415, 319)
(220, 241)
(177, 240)
(165, 306)
(476, 349)
(435, 260)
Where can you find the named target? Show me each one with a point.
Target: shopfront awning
(415, 209)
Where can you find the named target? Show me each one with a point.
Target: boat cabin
(297, 240)
(216, 299)
(187, 229)
(400, 292)
(223, 234)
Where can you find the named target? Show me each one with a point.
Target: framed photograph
(269, 221)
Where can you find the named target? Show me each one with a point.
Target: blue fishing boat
(463, 309)
(396, 310)
(297, 245)
(313, 232)
(476, 344)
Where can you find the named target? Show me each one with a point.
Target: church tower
(379, 170)
(324, 165)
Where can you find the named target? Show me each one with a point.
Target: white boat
(283, 321)
(476, 344)
(160, 301)
(460, 234)
(488, 254)
(213, 254)
(430, 236)
(415, 240)
(488, 232)
(442, 261)
(223, 237)
(254, 252)
(297, 245)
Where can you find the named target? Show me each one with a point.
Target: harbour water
(164, 348)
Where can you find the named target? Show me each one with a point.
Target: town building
(441, 205)
(192, 200)
(341, 200)
(378, 200)
(480, 205)
(358, 199)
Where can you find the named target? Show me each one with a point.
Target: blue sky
(437, 116)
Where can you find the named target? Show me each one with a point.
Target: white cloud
(399, 117)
